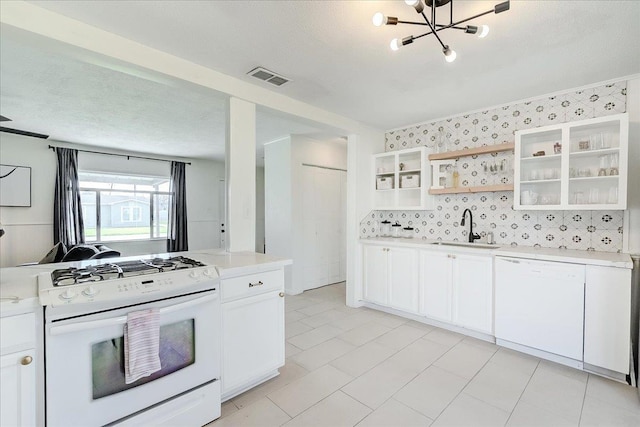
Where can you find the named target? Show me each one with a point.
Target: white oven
(84, 348)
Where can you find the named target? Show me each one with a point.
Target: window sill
(107, 242)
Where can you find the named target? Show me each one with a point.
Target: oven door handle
(121, 320)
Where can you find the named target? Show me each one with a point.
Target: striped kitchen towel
(141, 344)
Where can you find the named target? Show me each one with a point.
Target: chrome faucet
(472, 236)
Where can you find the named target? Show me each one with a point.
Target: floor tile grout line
(556, 414)
(465, 386)
(584, 397)
(523, 390)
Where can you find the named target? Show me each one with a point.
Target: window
(130, 213)
(120, 207)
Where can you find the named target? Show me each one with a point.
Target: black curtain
(177, 233)
(68, 225)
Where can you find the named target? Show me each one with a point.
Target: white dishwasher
(540, 305)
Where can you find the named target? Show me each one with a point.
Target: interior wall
(360, 148)
(29, 230)
(278, 201)
(633, 212)
(493, 212)
(284, 196)
(260, 242)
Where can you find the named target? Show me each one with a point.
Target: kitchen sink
(466, 245)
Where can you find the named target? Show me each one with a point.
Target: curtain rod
(128, 156)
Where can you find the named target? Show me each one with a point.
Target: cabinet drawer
(252, 284)
(18, 332)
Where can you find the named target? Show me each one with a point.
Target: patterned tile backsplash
(493, 212)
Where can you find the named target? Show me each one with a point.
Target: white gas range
(86, 310)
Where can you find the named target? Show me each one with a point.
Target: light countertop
(19, 285)
(606, 259)
(239, 263)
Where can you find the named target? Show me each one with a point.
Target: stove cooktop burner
(118, 270)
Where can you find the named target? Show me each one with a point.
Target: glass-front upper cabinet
(402, 180)
(573, 166)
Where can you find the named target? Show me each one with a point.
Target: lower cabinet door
(375, 274)
(607, 310)
(18, 389)
(436, 285)
(253, 340)
(404, 284)
(473, 292)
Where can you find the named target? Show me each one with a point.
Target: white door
(436, 285)
(607, 309)
(404, 283)
(323, 224)
(18, 389)
(540, 305)
(375, 274)
(472, 292)
(253, 339)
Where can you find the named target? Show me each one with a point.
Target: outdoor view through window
(120, 207)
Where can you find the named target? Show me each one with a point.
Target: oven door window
(177, 351)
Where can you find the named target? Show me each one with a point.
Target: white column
(241, 176)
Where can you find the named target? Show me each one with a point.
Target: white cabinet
(473, 292)
(391, 277)
(18, 389)
(437, 285)
(375, 274)
(18, 394)
(458, 288)
(573, 166)
(402, 179)
(607, 310)
(253, 330)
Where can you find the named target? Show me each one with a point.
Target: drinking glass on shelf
(613, 164)
(534, 175)
(604, 166)
(572, 173)
(595, 141)
(594, 196)
(578, 198)
(612, 197)
(584, 172)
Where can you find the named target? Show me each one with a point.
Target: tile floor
(347, 367)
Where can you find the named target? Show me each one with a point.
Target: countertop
(19, 285)
(238, 263)
(606, 259)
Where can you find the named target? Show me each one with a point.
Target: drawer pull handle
(251, 285)
(26, 360)
(281, 294)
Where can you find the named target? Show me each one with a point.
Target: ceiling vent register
(268, 76)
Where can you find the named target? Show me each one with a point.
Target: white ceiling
(336, 58)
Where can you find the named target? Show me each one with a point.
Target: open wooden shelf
(480, 189)
(473, 151)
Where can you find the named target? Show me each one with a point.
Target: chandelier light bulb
(449, 54)
(484, 30)
(394, 44)
(411, 2)
(378, 19)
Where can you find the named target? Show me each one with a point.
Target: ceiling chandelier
(449, 54)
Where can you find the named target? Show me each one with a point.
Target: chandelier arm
(433, 30)
(422, 35)
(451, 12)
(411, 22)
(469, 19)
